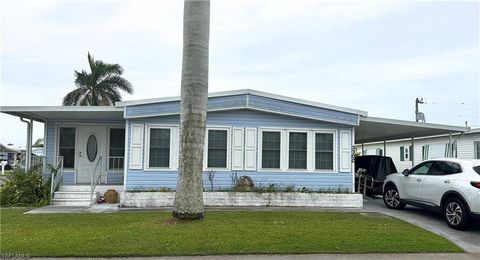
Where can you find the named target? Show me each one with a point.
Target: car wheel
(391, 198)
(456, 214)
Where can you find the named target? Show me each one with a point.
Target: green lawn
(147, 234)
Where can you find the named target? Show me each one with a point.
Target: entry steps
(74, 195)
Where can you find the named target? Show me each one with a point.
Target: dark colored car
(377, 167)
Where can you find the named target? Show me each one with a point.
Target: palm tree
(188, 202)
(100, 87)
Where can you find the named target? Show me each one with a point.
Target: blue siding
(68, 177)
(137, 179)
(114, 178)
(173, 107)
(50, 142)
(291, 108)
(247, 101)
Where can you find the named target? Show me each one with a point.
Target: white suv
(447, 185)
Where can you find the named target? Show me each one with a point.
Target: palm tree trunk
(188, 202)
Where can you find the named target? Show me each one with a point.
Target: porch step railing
(95, 179)
(56, 176)
(37, 162)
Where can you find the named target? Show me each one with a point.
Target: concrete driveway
(468, 240)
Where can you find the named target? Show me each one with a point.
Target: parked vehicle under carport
(377, 167)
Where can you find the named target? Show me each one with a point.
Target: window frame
(173, 140)
(108, 148)
(420, 165)
(308, 133)
(476, 149)
(229, 148)
(335, 155)
(284, 149)
(57, 144)
(260, 149)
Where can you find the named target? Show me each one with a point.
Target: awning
(375, 129)
(42, 113)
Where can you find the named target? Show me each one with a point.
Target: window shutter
(345, 149)
(250, 149)
(423, 152)
(136, 150)
(402, 153)
(174, 147)
(237, 148)
(410, 153)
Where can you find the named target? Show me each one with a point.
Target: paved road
(468, 240)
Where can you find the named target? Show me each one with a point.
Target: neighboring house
(273, 139)
(466, 146)
(9, 154)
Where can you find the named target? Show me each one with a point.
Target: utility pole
(419, 116)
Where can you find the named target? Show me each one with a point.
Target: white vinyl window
(161, 147)
(298, 150)
(217, 148)
(324, 148)
(271, 149)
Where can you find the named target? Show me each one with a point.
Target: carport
(375, 129)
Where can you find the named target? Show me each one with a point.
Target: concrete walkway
(464, 256)
(54, 209)
(468, 240)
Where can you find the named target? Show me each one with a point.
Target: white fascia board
(243, 92)
(415, 124)
(59, 109)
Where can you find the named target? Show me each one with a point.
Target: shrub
(24, 188)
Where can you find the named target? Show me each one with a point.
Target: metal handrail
(56, 176)
(363, 180)
(93, 184)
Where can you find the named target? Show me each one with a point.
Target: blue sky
(376, 56)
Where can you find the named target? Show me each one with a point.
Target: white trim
(238, 146)
(353, 149)
(284, 149)
(229, 147)
(57, 144)
(140, 146)
(108, 145)
(260, 148)
(250, 149)
(172, 153)
(127, 156)
(287, 146)
(345, 152)
(44, 170)
(414, 124)
(247, 92)
(335, 152)
(59, 109)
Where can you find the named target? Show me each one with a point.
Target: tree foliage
(100, 87)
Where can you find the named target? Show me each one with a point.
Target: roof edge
(244, 92)
(415, 124)
(59, 108)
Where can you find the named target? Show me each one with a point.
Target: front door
(91, 151)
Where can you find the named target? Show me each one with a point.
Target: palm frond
(99, 87)
(117, 82)
(74, 97)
